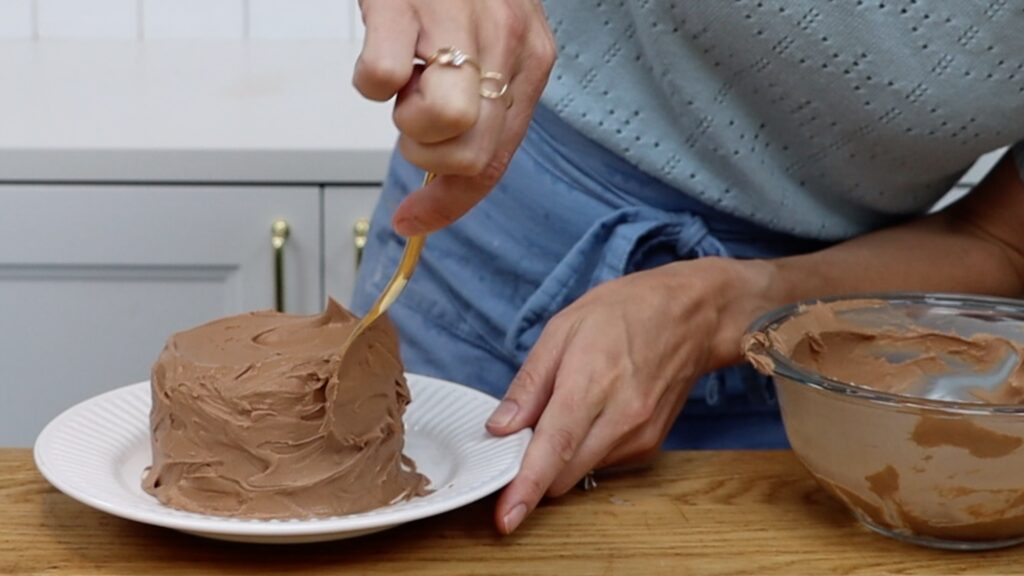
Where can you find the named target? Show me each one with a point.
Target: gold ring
(451, 56)
(497, 77)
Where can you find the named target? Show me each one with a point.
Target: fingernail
(409, 226)
(514, 518)
(503, 414)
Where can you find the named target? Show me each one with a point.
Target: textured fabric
(822, 119)
(569, 215)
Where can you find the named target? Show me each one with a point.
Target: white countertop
(188, 111)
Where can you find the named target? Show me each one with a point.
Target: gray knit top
(821, 118)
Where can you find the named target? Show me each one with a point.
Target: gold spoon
(406, 266)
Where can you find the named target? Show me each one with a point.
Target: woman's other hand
(446, 126)
(610, 373)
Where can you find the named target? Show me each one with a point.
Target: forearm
(976, 246)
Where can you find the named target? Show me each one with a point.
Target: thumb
(447, 198)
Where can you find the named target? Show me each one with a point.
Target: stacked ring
(451, 56)
(497, 77)
(500, 92)
(492, 84)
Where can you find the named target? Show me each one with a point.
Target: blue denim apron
(567, 216)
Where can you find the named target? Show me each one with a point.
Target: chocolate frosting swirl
(261, 416)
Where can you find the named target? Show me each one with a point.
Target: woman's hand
(611, 372)
(446, 126)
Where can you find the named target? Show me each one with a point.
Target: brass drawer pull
(279, 232)
(360, 235)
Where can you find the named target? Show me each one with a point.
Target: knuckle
(378, 79)
(648, 440)
(404, 120)
(458, 161)
(534, 486)
(638, 411)
(466, 161)
(526, 383)
(545, 51)
(452, 115)
(564, 443)
(413, 152)
(491, 174)
(516, 23)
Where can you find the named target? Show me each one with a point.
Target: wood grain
(692, 513)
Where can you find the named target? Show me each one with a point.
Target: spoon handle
(406, 266)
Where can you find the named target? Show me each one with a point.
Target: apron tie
(625, 241)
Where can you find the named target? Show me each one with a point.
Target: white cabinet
(176, 158)
(347, 212)
(94, 278)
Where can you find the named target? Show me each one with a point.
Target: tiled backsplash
(169, 19)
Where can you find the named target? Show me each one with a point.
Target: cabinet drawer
(94, 278)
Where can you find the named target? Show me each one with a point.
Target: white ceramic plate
(96, 452)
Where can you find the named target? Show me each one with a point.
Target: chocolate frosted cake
(260, 416)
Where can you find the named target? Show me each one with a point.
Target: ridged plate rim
(437, 406)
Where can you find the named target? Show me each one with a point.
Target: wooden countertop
(693, 512)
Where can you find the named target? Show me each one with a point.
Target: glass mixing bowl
(932, 465)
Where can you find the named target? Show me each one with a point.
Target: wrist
(749, 288)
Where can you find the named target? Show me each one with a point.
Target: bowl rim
(785, 368)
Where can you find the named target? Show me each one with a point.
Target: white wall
(179, 19)
(217, 19)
